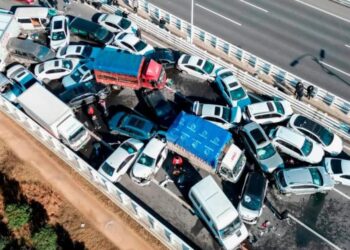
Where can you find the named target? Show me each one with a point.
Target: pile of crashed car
(272, 135)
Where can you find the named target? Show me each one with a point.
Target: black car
(252, 198)
(90, 30)
(84, 94)
(167, 57)
(163, 110)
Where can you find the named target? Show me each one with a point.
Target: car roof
(211, 110)
(154, 147)
(291, 136)
(83, 24)
(308, 124)
(113, 18)
(138, 122)
(262, 107)
(298, 176)
(131, 39)
(57, 63)
(227, 77)
(255, 185)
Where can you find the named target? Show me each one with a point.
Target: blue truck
(206, 146)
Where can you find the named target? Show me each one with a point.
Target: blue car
(131, 125)
(22, 76)
(231, 90)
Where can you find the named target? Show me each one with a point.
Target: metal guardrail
(245, 78)
(343, 2)
(259, 65)
(122, 200)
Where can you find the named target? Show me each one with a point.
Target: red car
(26, 1)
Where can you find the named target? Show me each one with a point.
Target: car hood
(271, 164)
(335, 147)
(58, 44)
(141, 171)
(246, 213)
(234, 240)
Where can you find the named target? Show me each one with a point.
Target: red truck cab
(127, 70)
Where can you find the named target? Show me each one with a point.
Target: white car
(116, 24)
(74, 51)
(198, 67)
(22, 76)
(268, 112)
(330, 142)
(149, 162)
(221, 116)
(119, 162)
(59, 32)
(231, 90)
(79, 75)
(296, 145)
(55, 69)
(132, 43)
(338, 169)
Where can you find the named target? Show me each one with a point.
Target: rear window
(217, 111)
(258, 136)
(281, 179)
(270, 106)
(279, 108)
(226, 74)
(336, 166)
(186, 59)
(316, 177)
(58, 25)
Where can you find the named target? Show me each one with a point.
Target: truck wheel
(115, 87)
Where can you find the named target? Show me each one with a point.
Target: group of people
(299, 91)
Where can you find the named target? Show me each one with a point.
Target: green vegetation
(45, 239)
(17, 215)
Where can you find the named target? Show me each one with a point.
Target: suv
(91, 30)
(296, 145)
(260, 147)
(252, 197)
(268, 112)
(330, 142)
(305, 180)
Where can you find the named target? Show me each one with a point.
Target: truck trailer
(54, 116)
(206, 146)
(122, 69)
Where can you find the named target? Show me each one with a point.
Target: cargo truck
(54, 116)
(122, 69)
(207, 146)
(9, 28)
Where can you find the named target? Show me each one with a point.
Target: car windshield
(237, 94)
(316, 176)
(87, 51)
(140, 45)
(67, 64)
(63, 51)
(279, 108)
(28, 81)
(124, 23)
(41, 68)
(266, 152)
(146, 160)
(251, 202)
(43, 52)
(101, 34)
(208, 67)
(307, 147)
(77, 135)
(76, 75)
(326, 136)
(56, 36)
(281, 179)
(128, 147)
(226, 114)
(230, 229)
(108, 169)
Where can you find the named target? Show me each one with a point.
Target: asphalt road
(280, 31)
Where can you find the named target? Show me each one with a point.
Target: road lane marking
(324, 11)
(347, 45)
(341, 193)
(335, 68)
(219, 15)
(314, 232)
(255, 6)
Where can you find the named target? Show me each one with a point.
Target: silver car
(304, 180)
(260, 147)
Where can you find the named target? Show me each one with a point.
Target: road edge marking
(341, 193)
(335, 68)
(219, 15)
(254, 6)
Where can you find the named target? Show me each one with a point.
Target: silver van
(216, 210)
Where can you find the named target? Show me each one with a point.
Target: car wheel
(46, 80)
(183, 72)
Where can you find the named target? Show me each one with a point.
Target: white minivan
(32, 18)
(213, 207)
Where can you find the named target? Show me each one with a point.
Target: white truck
(54, 116)
(207, 146)
(9, 28)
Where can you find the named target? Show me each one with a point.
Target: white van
(33, 18)
(212, 206)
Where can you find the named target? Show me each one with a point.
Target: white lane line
(347, 45)
(219, 15)
(255, 6)
(314, 232)
(335, 68)
(341, 193)
(324, 11)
